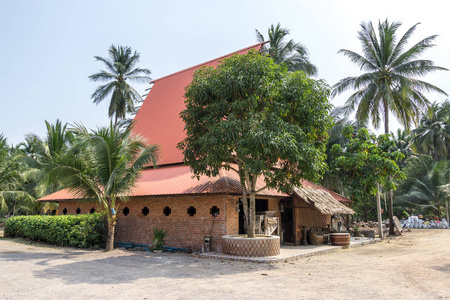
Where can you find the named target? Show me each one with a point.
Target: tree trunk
(110, 238)
(391, 192)
(251, 189)
(252, 214)
(380, 221)
(111, 223)
(244, 199)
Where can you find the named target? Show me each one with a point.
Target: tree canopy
(365, 161)
(253, 116)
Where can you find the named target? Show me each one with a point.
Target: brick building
(187, 208)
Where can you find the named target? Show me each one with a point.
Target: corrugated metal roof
(158, 120)
(178, 180)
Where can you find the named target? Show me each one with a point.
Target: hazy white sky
(48, 47)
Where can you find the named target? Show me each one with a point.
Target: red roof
(158, 120)
(177, 180)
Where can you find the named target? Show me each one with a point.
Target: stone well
(260, 246)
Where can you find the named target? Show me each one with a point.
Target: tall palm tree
(120, 68)
(389, 86)
(107, 171)
(293, 55)
(433, 134)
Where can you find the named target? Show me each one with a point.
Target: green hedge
(81, 231)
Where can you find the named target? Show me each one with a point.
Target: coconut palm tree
(106, 171)
(293, 55)
(433, 134)
(12, 198)
(402, 140)
(120, 68)
(389, 84)
(431, 192)
(38, 155)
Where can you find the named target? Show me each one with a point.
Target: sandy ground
(414, 266)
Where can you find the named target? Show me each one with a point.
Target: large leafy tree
(432, 136)
(106, 171)
(390, 83)
(120, 69)
(256, 118)
(293, 55)
(363, 163)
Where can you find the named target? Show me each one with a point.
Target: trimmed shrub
(81, 231)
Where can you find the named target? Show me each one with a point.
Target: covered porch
(309, 210)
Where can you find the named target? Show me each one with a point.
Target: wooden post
(380, 225)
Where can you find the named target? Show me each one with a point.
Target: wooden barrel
(340, 239)
(315, 239)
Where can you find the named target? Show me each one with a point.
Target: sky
(47, 48)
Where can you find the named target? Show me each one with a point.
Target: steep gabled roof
(158, 120)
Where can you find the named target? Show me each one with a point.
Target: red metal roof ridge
(207, 62)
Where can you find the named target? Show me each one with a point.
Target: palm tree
(433, 134)
(431, 192)
(107, 171)
(38, 155)
(389, 84)
(293, 55)
(402, 140)
(12, 197)
(120, 68)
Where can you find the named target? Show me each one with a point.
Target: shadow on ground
(74, 266)
(123, 269)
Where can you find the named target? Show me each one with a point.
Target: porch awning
(322, 201)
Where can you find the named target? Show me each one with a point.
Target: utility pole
(380, 225)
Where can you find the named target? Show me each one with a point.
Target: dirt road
(414, 266)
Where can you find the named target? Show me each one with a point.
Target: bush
(81, 231)
(158, 238)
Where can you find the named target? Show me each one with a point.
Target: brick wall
(182, 229)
